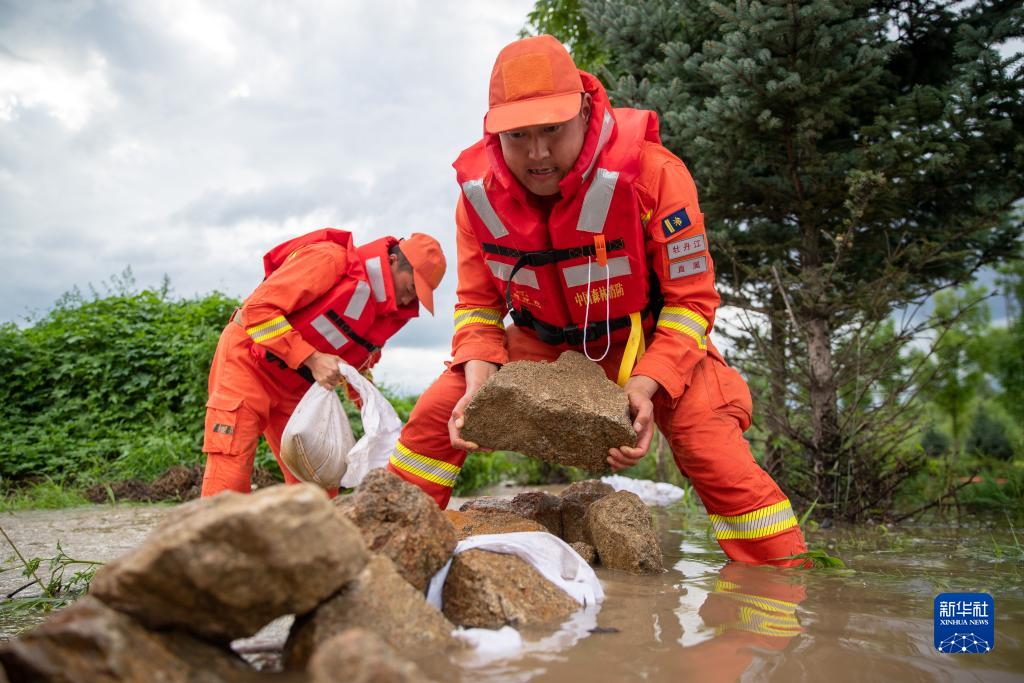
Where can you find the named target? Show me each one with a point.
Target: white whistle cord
(607, 313)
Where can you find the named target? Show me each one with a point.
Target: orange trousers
(248, 397)
(752, 518)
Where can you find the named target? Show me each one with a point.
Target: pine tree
(853, 157)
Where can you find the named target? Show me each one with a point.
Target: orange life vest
(582, 263)
(355, 317)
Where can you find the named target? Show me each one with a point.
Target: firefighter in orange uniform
(577, 222)
(323, 300)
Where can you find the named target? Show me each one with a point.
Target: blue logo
(680, 220)
(965, 623)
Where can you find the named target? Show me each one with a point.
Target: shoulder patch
(680, 220)
(678, 248)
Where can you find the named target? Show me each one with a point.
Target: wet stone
(624, 535)
(89, 641)
(224, 566)
(399, 520)
(378, 600)
(565, 412)
(476, 523)
(586, 551)
(542, 508)
(361, 656)
(489, 590)
(487, 504)
(576, 499)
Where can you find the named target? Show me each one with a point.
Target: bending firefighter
(574, 219)
(323, 299)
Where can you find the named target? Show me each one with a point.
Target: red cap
(428, 265)
(534, 82)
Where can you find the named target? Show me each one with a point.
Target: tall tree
(853, 157)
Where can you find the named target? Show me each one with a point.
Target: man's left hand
(639, 390)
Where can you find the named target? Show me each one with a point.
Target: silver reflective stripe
(598, 199)
(477, 196)
(693, 266)
(607, 125)
(376, 274)
(524, 276)
(357, 304)
(329, 332)
(680, 248)
(576, 276)
(682, 320)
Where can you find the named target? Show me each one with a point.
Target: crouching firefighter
(574, 220)
(323, 300)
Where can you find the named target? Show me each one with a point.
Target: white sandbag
(317, 439)
(650, 492)
(381, 427)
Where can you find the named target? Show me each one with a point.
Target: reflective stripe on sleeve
(357, 304)
(431, 469)
(594, 211)
(478, 316)
(686, 321)
(576, 276)
(477, 196)
(269, 330)
(762, 522)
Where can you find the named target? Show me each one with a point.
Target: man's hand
(477, 372)
(639, 390)
(325, 370)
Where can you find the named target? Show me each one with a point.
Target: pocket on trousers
(728, 392)
(221, 434)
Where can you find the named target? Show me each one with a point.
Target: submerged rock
(623, 534)
(565, 412)
(378, 600)
(399, 520)
(361, 656)
(476, 523)
(576, 499)
(222, 567)
(490, 590)
(89, 641)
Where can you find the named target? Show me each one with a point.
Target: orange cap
(534, 82)
(428, 265)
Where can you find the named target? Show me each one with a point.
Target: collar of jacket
(573, 180)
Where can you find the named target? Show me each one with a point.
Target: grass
(47, 494)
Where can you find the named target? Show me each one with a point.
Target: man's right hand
(477, 372)
(325, 370)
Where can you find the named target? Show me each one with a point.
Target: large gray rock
(381, 601)
(624, 535)
(89, 641)
(576, 499)
(361, 656)
(490, 590)
(565, 412)
(222, 567)
(399, 520)
(487, 504)
(476, 523)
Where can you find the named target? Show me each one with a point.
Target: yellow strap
(635, 347)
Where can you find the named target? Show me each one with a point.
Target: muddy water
(705, 619)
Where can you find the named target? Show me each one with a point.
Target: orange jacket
(309, 274)
(677, 256)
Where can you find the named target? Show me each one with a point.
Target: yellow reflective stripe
(684, 320)
(727, 589)
(269, 330)
(431, 469)
(478, 316)
(781, 625)
(762, 522)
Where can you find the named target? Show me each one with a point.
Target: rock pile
(601, 525)
(566, 412)
(352, 571)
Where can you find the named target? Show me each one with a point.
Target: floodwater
(705, 619)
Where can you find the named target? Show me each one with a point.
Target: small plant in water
(68, 580)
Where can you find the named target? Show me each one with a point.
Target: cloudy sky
(186, 138)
